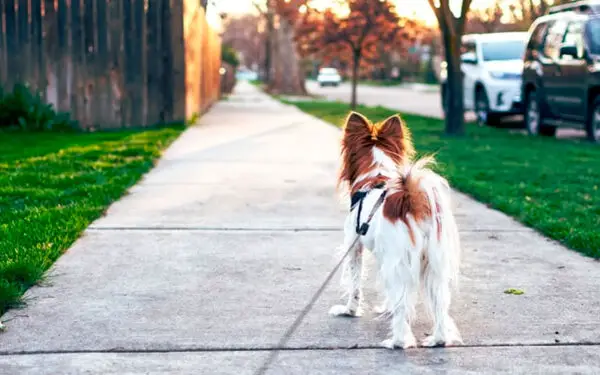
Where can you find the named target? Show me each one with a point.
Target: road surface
(417, 99)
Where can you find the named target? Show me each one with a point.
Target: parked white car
(492, 65)
(329, 76)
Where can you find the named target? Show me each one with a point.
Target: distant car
(329, 76)
(492, 65)
(561, 74)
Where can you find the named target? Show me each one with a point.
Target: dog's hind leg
(436, 283)
(351, 278)
(399, 266)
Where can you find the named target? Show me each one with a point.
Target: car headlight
(504, 75)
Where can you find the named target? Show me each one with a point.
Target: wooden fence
(112, 63)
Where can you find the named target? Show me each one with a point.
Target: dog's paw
(343, 310)
(408, 342)
(432, 341)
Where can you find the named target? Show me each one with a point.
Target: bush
(229, 55)
(23, 109)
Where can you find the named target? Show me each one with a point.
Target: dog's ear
(395, 132)
(356, 121)
(394, 124)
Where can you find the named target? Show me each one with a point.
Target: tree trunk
(269, 42)
(355, 67)
(287, 77)
(455, 119)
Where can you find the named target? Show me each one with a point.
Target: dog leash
(290, 331)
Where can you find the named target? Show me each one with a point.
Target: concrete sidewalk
(208, 261)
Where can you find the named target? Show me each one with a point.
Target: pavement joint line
(215, 229)
(267, 229)
(285, 349)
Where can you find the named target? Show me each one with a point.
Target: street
(418, 99)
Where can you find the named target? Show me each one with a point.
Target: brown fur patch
(369, 183)
(438, 212)
(406, 198)
(360, 137)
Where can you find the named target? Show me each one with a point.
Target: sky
(418, 8)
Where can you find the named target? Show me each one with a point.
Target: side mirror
(468, 58)
(568, 50)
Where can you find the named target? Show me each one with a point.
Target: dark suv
(561, 71)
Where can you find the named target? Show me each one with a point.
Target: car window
(328, 71)
(469, 50)
(503, 50)
(554, 39)
(537, 36)
(574, 36)
(593, 35)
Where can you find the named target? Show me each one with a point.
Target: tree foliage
(229, 55)
(508, 15)
(247, 35)
(357, 30)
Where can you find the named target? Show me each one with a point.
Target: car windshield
(504, 50)
(593, 31)
(328, 71)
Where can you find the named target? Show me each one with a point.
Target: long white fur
(400, 260)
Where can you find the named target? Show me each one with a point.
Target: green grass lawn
(549, 184)
(52, 185)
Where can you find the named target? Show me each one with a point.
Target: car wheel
(593, 123)
(534, 118)
(482, 110)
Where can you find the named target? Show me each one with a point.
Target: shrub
(230, 55)
(24, 109)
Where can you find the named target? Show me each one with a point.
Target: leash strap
(364, 227)
(290, 331)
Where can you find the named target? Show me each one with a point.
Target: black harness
(358, 198)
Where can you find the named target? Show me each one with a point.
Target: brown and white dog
(413, 234)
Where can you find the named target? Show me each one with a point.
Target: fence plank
(22, 40)
(177, 52)
(167, 111)
(153, 61)
(37, 45)
(138, 68)
(3, 55)
(64, 73)
(77, 56)
(12, 42)
(115, 59)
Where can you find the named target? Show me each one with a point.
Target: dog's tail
(424, 196)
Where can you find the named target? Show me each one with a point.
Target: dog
(412, 235)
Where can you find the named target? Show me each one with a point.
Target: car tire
(593, 122)
(482, 110)
(534, 117)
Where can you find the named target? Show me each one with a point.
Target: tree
(526, 11)
(505, 15)
(282, 62)
(247, 36)
(452, 29)
(365, 31)
(486, 20)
